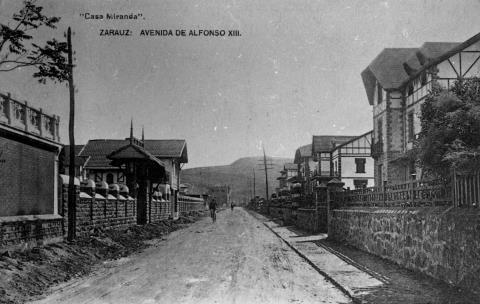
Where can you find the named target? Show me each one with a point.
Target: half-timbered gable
(397, 82)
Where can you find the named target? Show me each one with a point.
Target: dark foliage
(17, 49)
(450, 135)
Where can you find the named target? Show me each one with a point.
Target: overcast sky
(294, 72)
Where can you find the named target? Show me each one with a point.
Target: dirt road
(235, 260)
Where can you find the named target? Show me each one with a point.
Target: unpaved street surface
(235, 260)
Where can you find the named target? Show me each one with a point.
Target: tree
(53, 61)
(17, 48)
(450, 135)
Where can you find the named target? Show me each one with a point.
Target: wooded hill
(239, 175)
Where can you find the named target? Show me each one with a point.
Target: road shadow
(400, 285)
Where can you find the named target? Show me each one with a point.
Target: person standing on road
(213, 209)
(232, 204)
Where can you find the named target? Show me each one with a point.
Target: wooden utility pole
(266, 173)
(254, 193)
(266, 166)
(72, 204)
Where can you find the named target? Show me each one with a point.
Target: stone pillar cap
(88, 183)
(114, 187)
(101, 185)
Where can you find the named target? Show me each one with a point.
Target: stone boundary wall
(188, 207)
(286, 214)
(159, 210)
(306, 220)
(27, 231)
(96, 211)
(302, 218)
(442, 242)
(104, 213)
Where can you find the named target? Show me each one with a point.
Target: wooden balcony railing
(20, 116)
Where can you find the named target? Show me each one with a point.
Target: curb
(342, 288)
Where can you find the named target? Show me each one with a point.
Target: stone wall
(20, 232)
(286, 214)
(159, 210)
(305, 219)
(97, 211)
(439, 241)
(189, 207)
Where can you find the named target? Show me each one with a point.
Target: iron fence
(462, 190)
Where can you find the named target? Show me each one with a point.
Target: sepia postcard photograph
(240, 151)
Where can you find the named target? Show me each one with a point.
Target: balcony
(20, 116)
(376, 149)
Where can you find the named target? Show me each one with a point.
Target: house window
(411, 130)
(379, 93)
(360, 164)
(360, 183)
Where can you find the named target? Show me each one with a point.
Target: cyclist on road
(213, 210)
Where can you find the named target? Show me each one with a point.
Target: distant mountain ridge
(239, 175)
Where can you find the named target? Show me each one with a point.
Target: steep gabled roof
(428, 52)
(393, 68)
(368, 135)
(302, 152)
(290, 166)
(78, 159)
(447, 53)
(98, 149)
(168, 148)
(387, 68)
(325, 143)
(132, 151)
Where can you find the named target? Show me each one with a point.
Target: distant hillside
(239, 175)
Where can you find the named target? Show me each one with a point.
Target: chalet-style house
(171, 153)
(353, 163)
(322, 147)
(29, 155)
(397, 82)
(346, 158)
(306, 165)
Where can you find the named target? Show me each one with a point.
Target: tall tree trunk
(72, 204)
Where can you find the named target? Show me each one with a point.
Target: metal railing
(412, 193)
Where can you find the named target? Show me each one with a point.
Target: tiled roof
(132, 151)
(290, 166)
(393, 68)
(98, 149)
(325, 143)
(66, 155)
(387, 68)
(166, 147)
(429, 51)
(302, 152)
